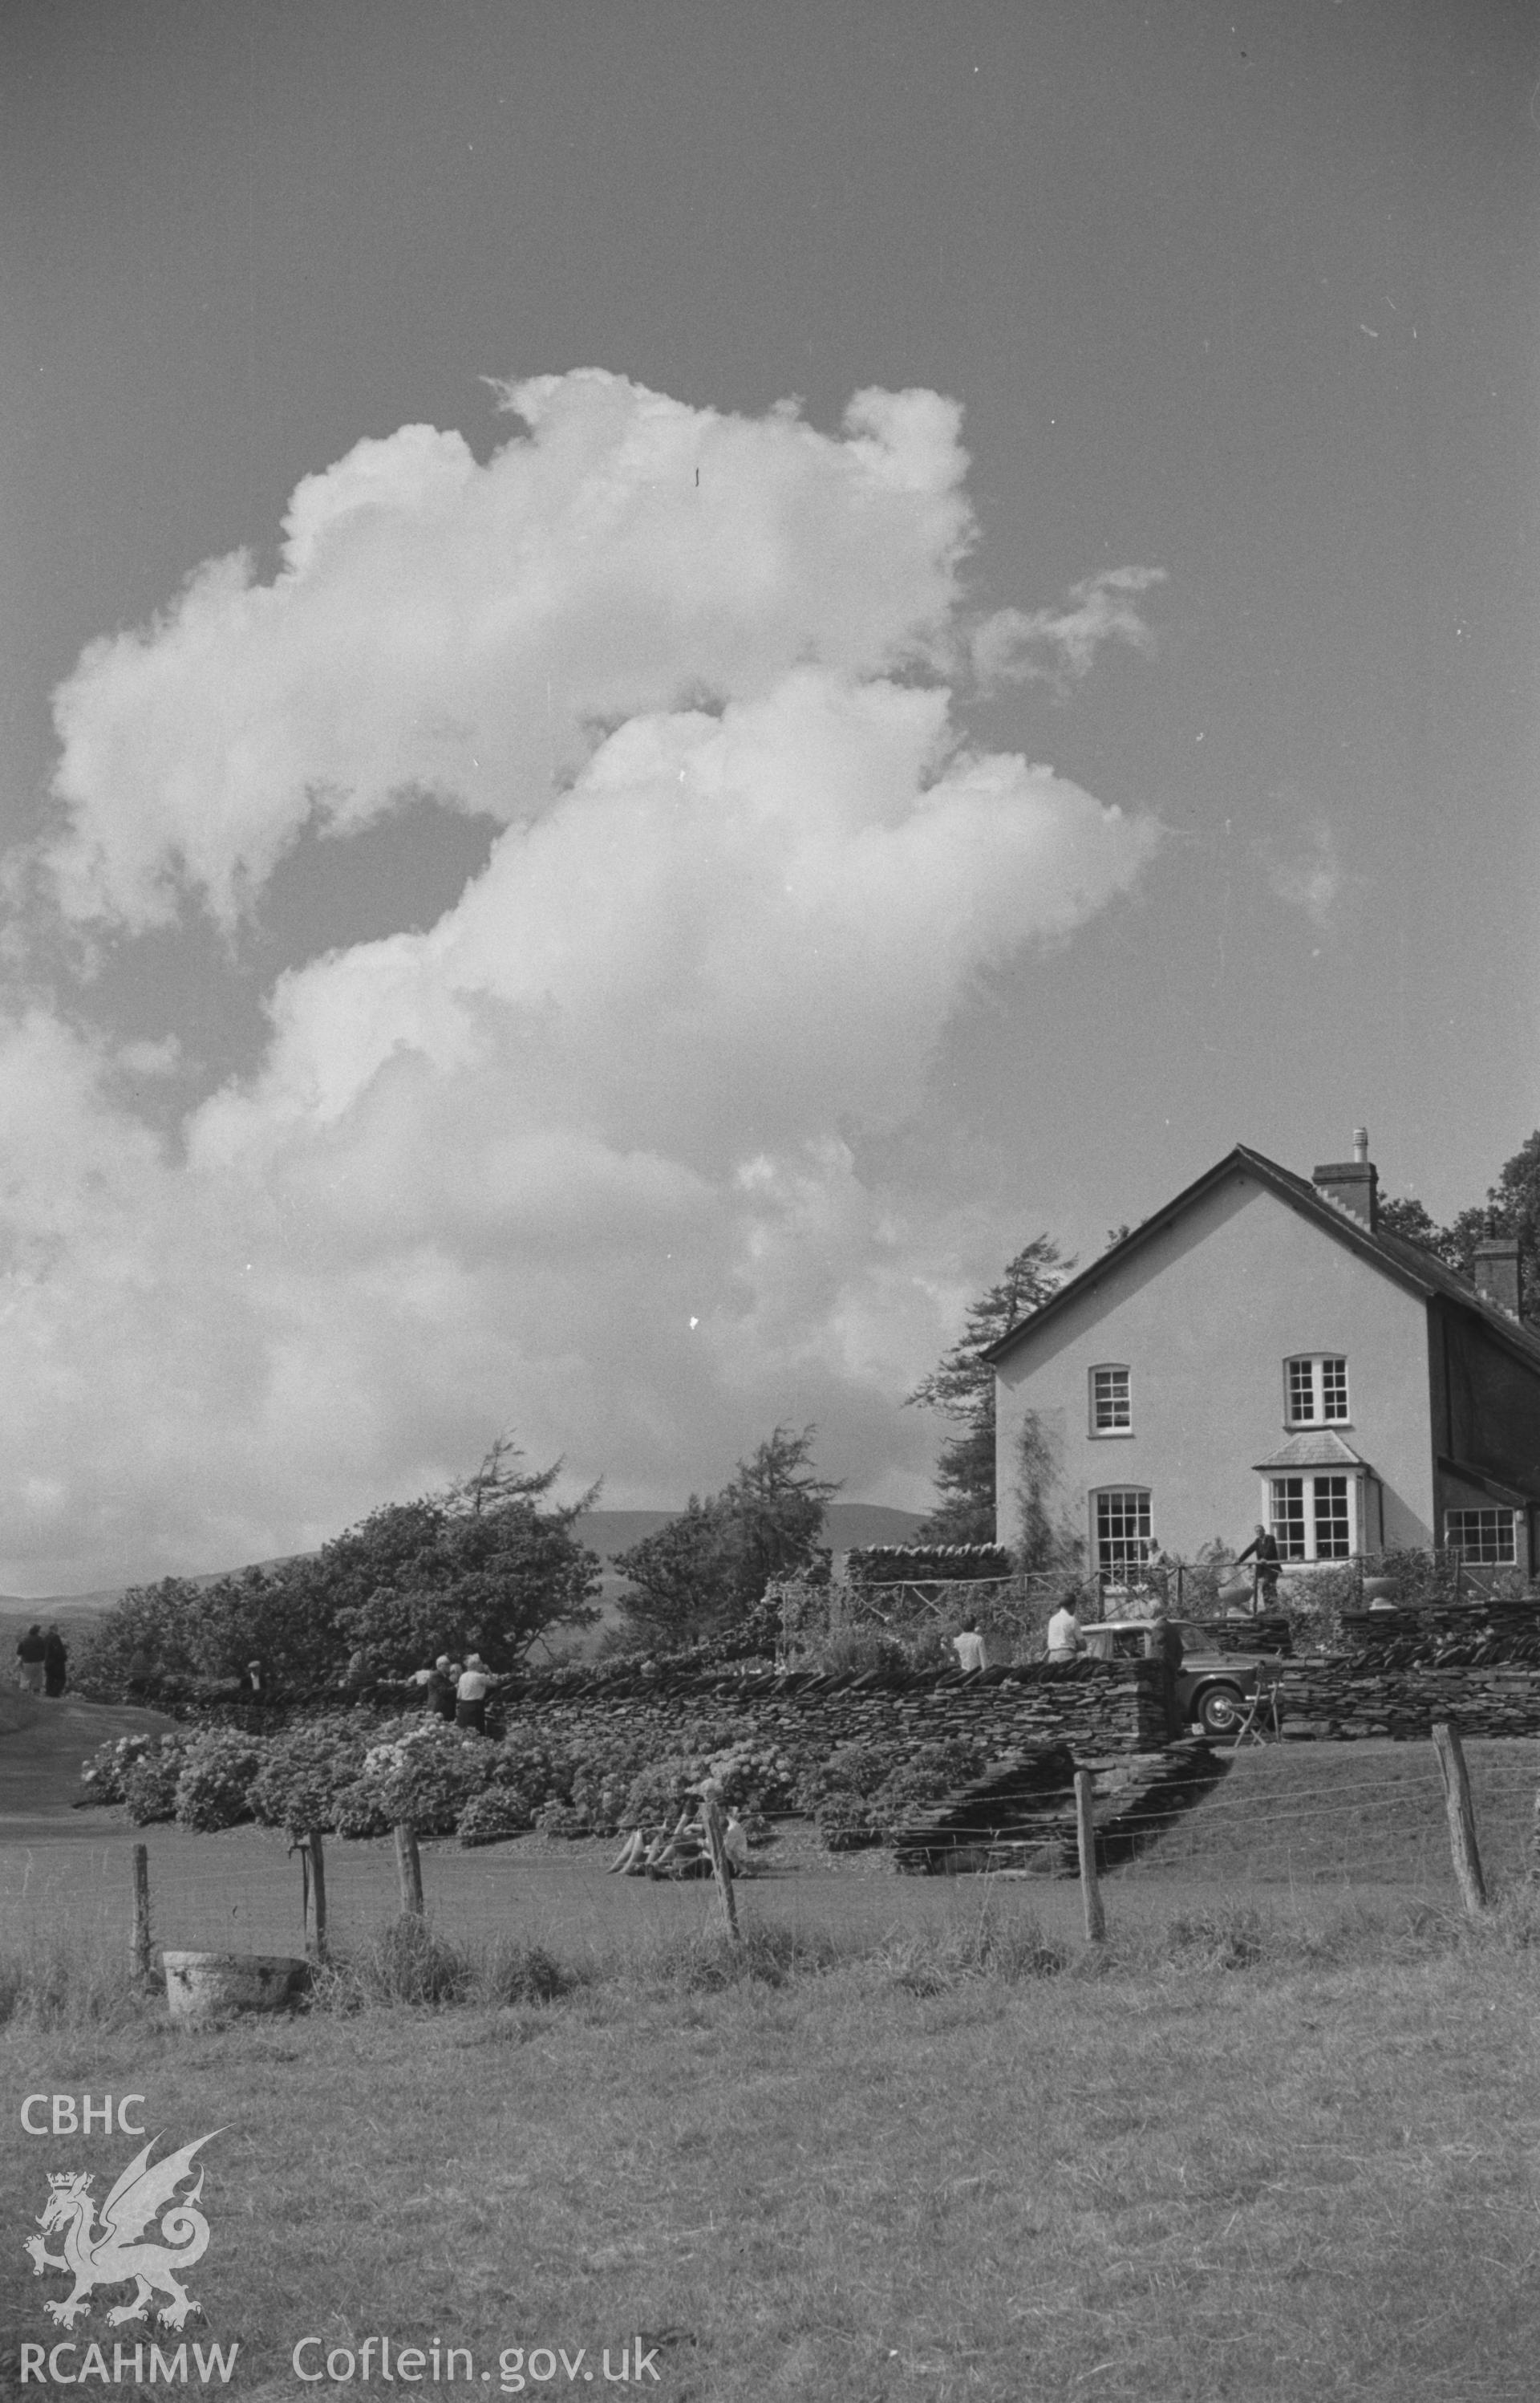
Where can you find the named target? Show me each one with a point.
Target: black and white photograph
(770, 1199)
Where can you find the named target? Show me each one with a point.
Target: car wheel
(1221, 1710)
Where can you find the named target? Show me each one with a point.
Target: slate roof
(1405, 1263)
(1324, 1450)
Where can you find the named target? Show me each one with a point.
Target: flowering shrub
(305, 1769)
(869, 1791)
(429, 1775)
(359, 1810)
(103, 1775)
(149, 1782)
(845, 1823)
(534, 1770)
(213, 1789)
(598, 1797)
(560, 1819)
(658, 1793)
(491, 1815)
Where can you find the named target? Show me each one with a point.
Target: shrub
(305, 1769)
(104, 1773)
(149, 1783)
(359, 1810)
(429, 1775)
(856, 1768)
(657, 1794)
(538, 1772)
(560, 1819)
(931, 1773)
(846, 1824)
(213, 1789)
(491, 1816)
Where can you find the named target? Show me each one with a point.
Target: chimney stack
(1351, 1183)
(1497, 1272)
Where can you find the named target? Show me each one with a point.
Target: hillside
(846, 1525)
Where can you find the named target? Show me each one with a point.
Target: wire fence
(1308, 1823)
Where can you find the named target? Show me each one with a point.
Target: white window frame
(1317, 1363)
(1308, 1480)
(1479, 1557)
(1130, 1568)
(1101, 1432)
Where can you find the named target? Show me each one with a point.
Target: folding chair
(1262, 1712)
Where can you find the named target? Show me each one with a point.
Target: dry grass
(1241, 2154)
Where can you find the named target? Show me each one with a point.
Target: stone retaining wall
(1334, 1700)
(1097, 1708)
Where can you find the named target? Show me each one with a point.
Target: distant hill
(846, 1525)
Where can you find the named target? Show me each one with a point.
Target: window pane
(1301, 1389)
(1111, 1409)
(1333, 1539)
(1288, 1516)
(1483, 1536)
(1122, 1530)
(1334, 1389)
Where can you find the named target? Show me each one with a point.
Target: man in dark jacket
(30, 1654)
(1263, 1551)
(55, 1662)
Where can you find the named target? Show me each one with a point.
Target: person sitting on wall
(1263, 1552)
(1065, 1640)
(969, 1647)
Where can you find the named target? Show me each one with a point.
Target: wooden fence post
(1085, 1828)
(409, 1869)
(1462, 1818)
(318, 1878)
(141, 1914)
(715, 1827)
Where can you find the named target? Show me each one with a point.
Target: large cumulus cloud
(587, 1155)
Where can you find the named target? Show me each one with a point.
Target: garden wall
(1095, 1707)
(1362, 1695)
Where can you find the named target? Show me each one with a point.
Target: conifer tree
(962, 1387)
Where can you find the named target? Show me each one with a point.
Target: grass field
(1280, 2138)
(1237, 2155)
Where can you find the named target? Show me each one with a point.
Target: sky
(670, 674)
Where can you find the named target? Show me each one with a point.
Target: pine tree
(962, 1387)
(705, 1569)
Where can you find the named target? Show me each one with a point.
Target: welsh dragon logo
(110, 2256)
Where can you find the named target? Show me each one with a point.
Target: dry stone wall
(1097, 1708)
(1333, 1700)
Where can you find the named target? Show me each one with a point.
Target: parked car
(1213, 1686)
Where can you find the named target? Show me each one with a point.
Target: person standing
(55, 1662)
(1263, 1552)
(1066, 1641)
(30, 1654)
(969, 1647)
(470, 1694)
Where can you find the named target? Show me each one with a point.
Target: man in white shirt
(470, 1694)
(1065, 1640)
(969, 1647)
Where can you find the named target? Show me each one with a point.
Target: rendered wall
(1205, 1316)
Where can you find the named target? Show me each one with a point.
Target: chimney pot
(1361, 1144)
